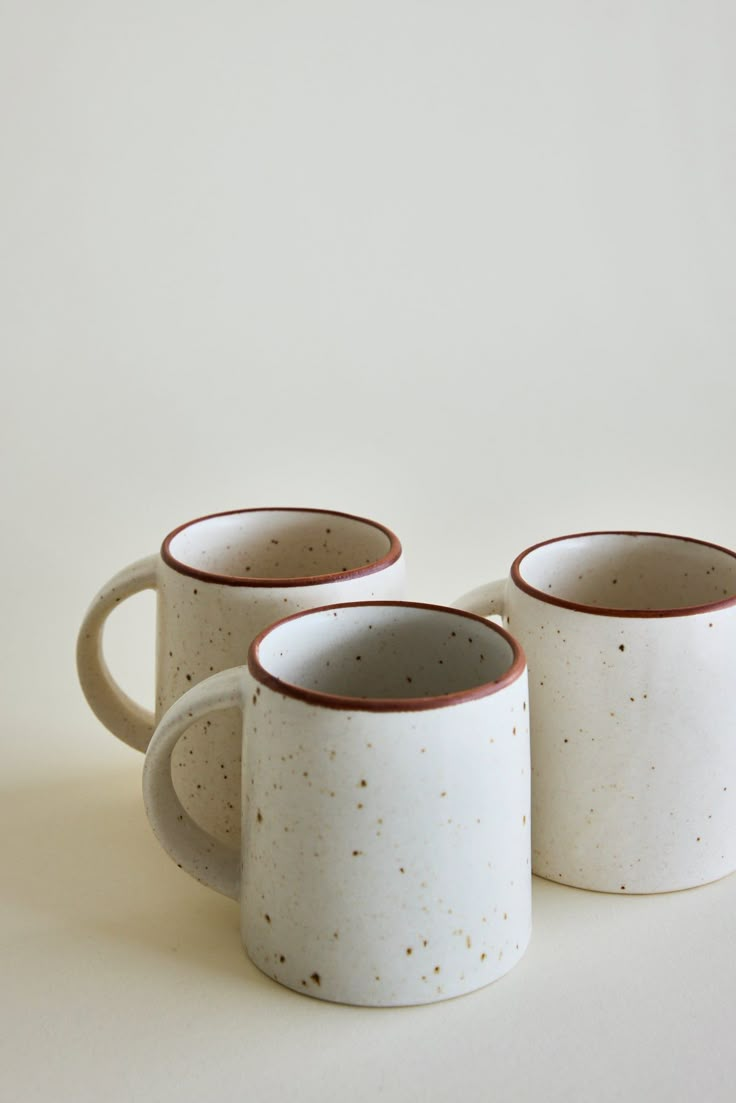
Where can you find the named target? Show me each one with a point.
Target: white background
(467, 268)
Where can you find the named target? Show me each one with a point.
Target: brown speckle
(267, 918)
(523, 819)
(357, 853)
(363, 783)
(622, 647)
(623, 888)
(316, 978)
(259, 816)
(409, 951)
(189, 677)
(436, 968)
(282, 959)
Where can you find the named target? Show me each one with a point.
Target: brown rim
(386, 560)
(604, 611)
(385, 704)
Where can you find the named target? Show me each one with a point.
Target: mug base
(612, 888)
(344, 993)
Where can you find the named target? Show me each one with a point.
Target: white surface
(466, 269)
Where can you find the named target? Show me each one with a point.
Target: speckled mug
(385, 836)
(219, 580)
(631, 643)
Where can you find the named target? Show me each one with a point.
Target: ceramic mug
(631, 644)
(219, 580)
(385, 834)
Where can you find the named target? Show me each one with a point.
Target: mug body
(386, 821)
(221, 580)
(631, 645)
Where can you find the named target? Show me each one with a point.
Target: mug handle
(207, 859)
(121, 715)
(488, 600)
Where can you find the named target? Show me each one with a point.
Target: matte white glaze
(633, 706)
(385, 847)
(251, 560)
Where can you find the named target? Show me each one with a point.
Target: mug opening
(279, 547)
(385, 656)
(635, 574)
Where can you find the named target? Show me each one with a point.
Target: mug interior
(273, 546)
(629, 572)
(385, 652)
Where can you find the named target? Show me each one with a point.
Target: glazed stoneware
(631, 644)
(385, 836)
(219, 580)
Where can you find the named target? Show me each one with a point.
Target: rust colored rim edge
(386, 704)
(605, 611)
(391, 556)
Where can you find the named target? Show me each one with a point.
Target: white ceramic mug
(631, 644)
(385, 835)
(219, 580)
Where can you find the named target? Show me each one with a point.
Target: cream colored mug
(220, 580)
(631, 643)
(385, 834)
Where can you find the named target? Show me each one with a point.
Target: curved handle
(488, 600)
(125, 718)
(205, 858)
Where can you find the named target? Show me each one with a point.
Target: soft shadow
(84, 863)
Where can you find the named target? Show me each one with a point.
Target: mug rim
(606, 611)
(392, 555)
(386, 704)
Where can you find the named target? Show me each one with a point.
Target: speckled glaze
(219, 581)
(385, 836)
(631, 643)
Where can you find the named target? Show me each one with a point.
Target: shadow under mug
(385, 851)
(631, 644)
(219, 580)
